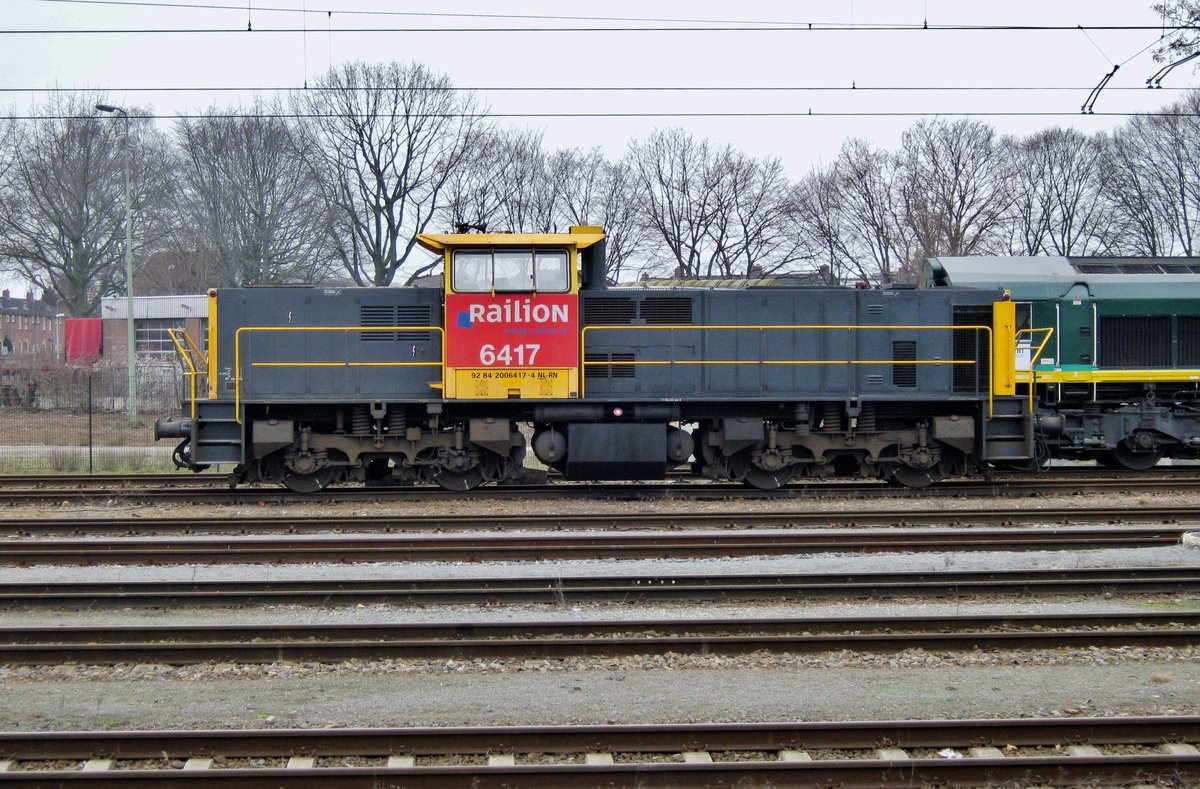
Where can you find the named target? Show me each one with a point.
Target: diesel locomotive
(524, 347)
(1111, 346)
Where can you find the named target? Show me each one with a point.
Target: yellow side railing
(1030, 376)
(987, 330)
(246, 330)
(189, 352)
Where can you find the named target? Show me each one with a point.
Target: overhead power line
(342, 11)
(595, 115)
(812, 27)
(583, 88)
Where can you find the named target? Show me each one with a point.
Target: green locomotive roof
(1053, 277)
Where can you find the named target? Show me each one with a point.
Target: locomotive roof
(439, 242)
(1053, 277)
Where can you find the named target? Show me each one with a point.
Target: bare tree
(955, 187)
(677, 180)
(595, 191)
(493, 184)
(1152, 176)
(62, 227)
(750, 229)
(1184, 15)
(243, 205)
(870, 200)
(819, 221)
(1057, 205)
(382, 140)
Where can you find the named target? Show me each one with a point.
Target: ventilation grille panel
(1135, 341)
(904, 374)
(1189, 340)
(971, 345)
(392, 315)
(606, 371)
(609, 312)
(667, 311)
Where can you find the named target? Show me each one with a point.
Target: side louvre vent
(1189, 340)
(1135, 341)
(874, 309)
(667, 310)
(390, 315)
(971, 345)
(609, 312)
(595, 372)
(904, 374)
(603, 371)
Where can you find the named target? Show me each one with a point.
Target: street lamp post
(131, 339)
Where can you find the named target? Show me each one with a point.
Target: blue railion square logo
(464, 319)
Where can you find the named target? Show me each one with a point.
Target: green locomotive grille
(1189, 340)
(666, 311)
(395, 315)
(904, 374)
(971, 345)
(609, 312)
(1134, 341)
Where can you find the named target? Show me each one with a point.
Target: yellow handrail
(794, 362)
(237, 353)
(186, 348)
(1033, 357)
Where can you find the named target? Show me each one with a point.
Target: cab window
(472, 271)
(550, 271)
(510, 271)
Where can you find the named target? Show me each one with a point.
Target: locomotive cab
(512, 313)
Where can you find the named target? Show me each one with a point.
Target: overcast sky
(292, 41)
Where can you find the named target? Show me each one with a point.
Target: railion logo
(512, 312)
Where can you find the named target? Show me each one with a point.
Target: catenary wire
(549, 17)
(593, 115)
(588, 88)
(812, 27)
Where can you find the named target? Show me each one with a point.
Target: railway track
(560, 590)
(725, 519)
(915, 753)
(270, 643)
(538, 547)
(215, 489)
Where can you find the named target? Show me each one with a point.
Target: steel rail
(210, 523)
(541, 546)
(268, 643)
(216, 479)
(682, 490)
(563, 589)
(781, 748)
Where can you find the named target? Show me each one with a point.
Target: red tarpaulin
(83, 338)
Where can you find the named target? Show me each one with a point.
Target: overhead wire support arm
(1155, 80)
(1089, 103)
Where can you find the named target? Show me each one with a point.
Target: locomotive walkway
(847, 754)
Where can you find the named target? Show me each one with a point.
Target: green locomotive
(1110, 346)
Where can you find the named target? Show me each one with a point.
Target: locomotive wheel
(1126, 458)
(904, 476)
(308, 483)
(767, 480)
(459, 480)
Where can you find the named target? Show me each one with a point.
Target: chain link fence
(57, 418)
